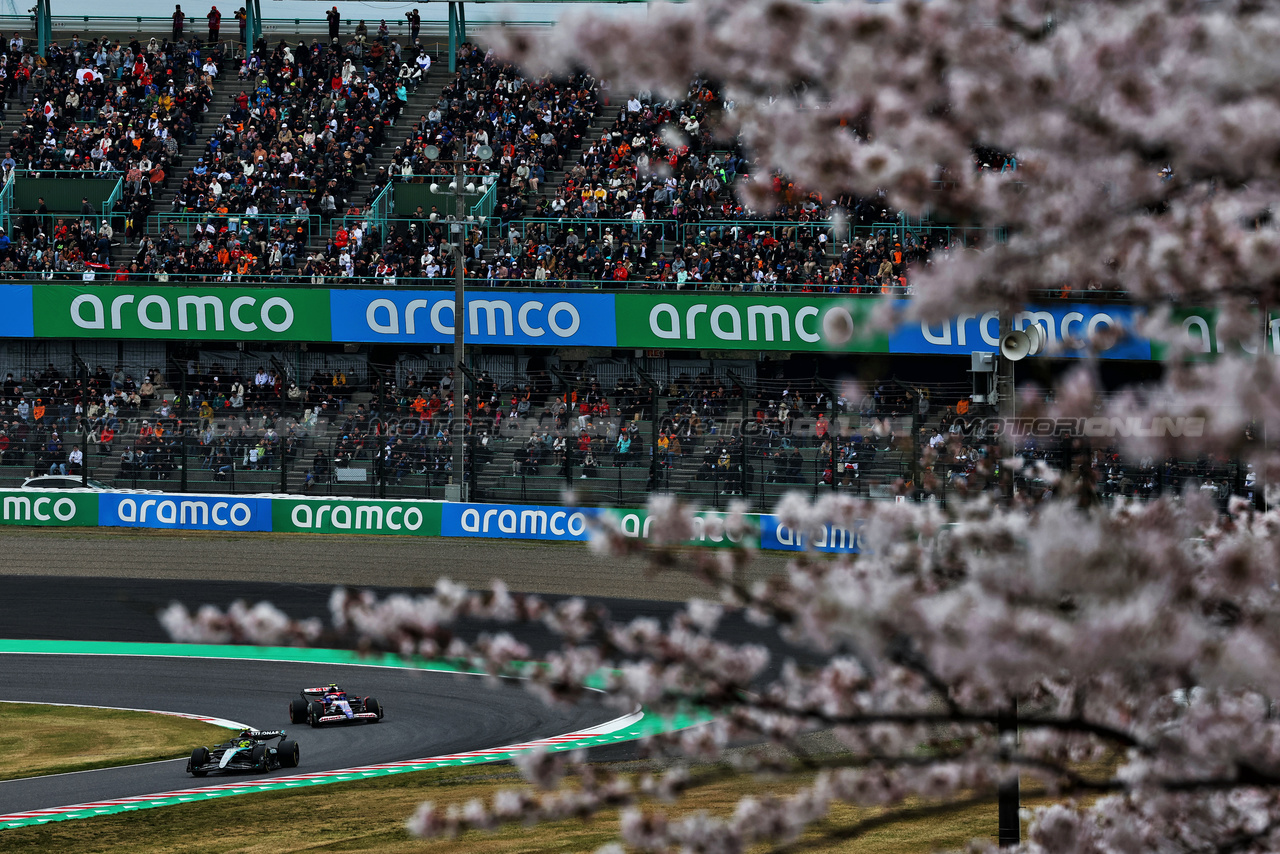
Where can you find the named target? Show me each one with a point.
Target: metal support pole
(1260, 478)
(462, 22)
(453, 37)
(382, 473)
(1006, 403)
(1007, 791)
(44, 26)
(182, 430)
(284, 467)
(654, 468)
(653, 428)
(1007, 721)
(253, 24)
(84, 452)
(459, 479)
(831, 441)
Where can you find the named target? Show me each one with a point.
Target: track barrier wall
(407, 517)
(580, 318)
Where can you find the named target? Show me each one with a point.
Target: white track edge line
(616, 723)
(275, 661)
(222, 722)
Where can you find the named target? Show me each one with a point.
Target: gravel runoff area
(383, 561)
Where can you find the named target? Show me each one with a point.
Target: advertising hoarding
(355, 516)
(729, 321)
(558, 318)
(48, 509)
(184, 512)
(161, 312)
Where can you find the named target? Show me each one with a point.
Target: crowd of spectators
(529, 125)
(736, 257)
(97, 108)
(654, 200)
(709, 435)
(286, 155)
(283, 161)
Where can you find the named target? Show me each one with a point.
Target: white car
(63, 481)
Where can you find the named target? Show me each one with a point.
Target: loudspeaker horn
(1038, 338)
(1015, 346)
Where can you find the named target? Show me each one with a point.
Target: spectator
(215, 24)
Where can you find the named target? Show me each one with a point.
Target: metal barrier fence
(188, 223)
(669, 230)
(726, 456)
(666, 231)
(295, 277)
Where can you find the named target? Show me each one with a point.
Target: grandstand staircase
(603, 120)
(420, 101)
(225, 89)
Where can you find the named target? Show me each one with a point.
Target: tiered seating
(307, 120)
(527, 438)
(530, 124)
(658, 166)
(100, 109)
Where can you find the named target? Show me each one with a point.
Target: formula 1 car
(248, 751)
(320, 706)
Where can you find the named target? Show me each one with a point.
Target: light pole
(456, 488)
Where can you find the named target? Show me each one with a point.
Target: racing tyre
(372, 705)
(258, 757)
(298, 711)
(199, 757)
(289, 753)
(314, 712)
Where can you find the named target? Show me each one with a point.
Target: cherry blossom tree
(1139, 640)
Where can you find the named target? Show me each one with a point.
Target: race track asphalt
(569, 569)
(108, 585)
(427, 714)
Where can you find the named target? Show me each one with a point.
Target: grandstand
(296, 162)
(239, 422)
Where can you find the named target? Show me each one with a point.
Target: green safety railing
(482, 210)
(296, 278)
(380, 208)
(664, 230)
(6, 202)
(668, 230)
(186, 223)
(110, 203)
(74, 174)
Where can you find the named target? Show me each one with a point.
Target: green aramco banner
(742, 322)
(228, 314)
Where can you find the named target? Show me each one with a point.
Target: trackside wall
(412, 518)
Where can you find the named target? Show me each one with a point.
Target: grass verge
(370, 815)
(37, 739)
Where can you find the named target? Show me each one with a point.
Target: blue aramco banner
(516, 521)
(534, 522)
(775, 536)
(1069, 327)
(184, 512)
(17, 319)
(551, 319)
